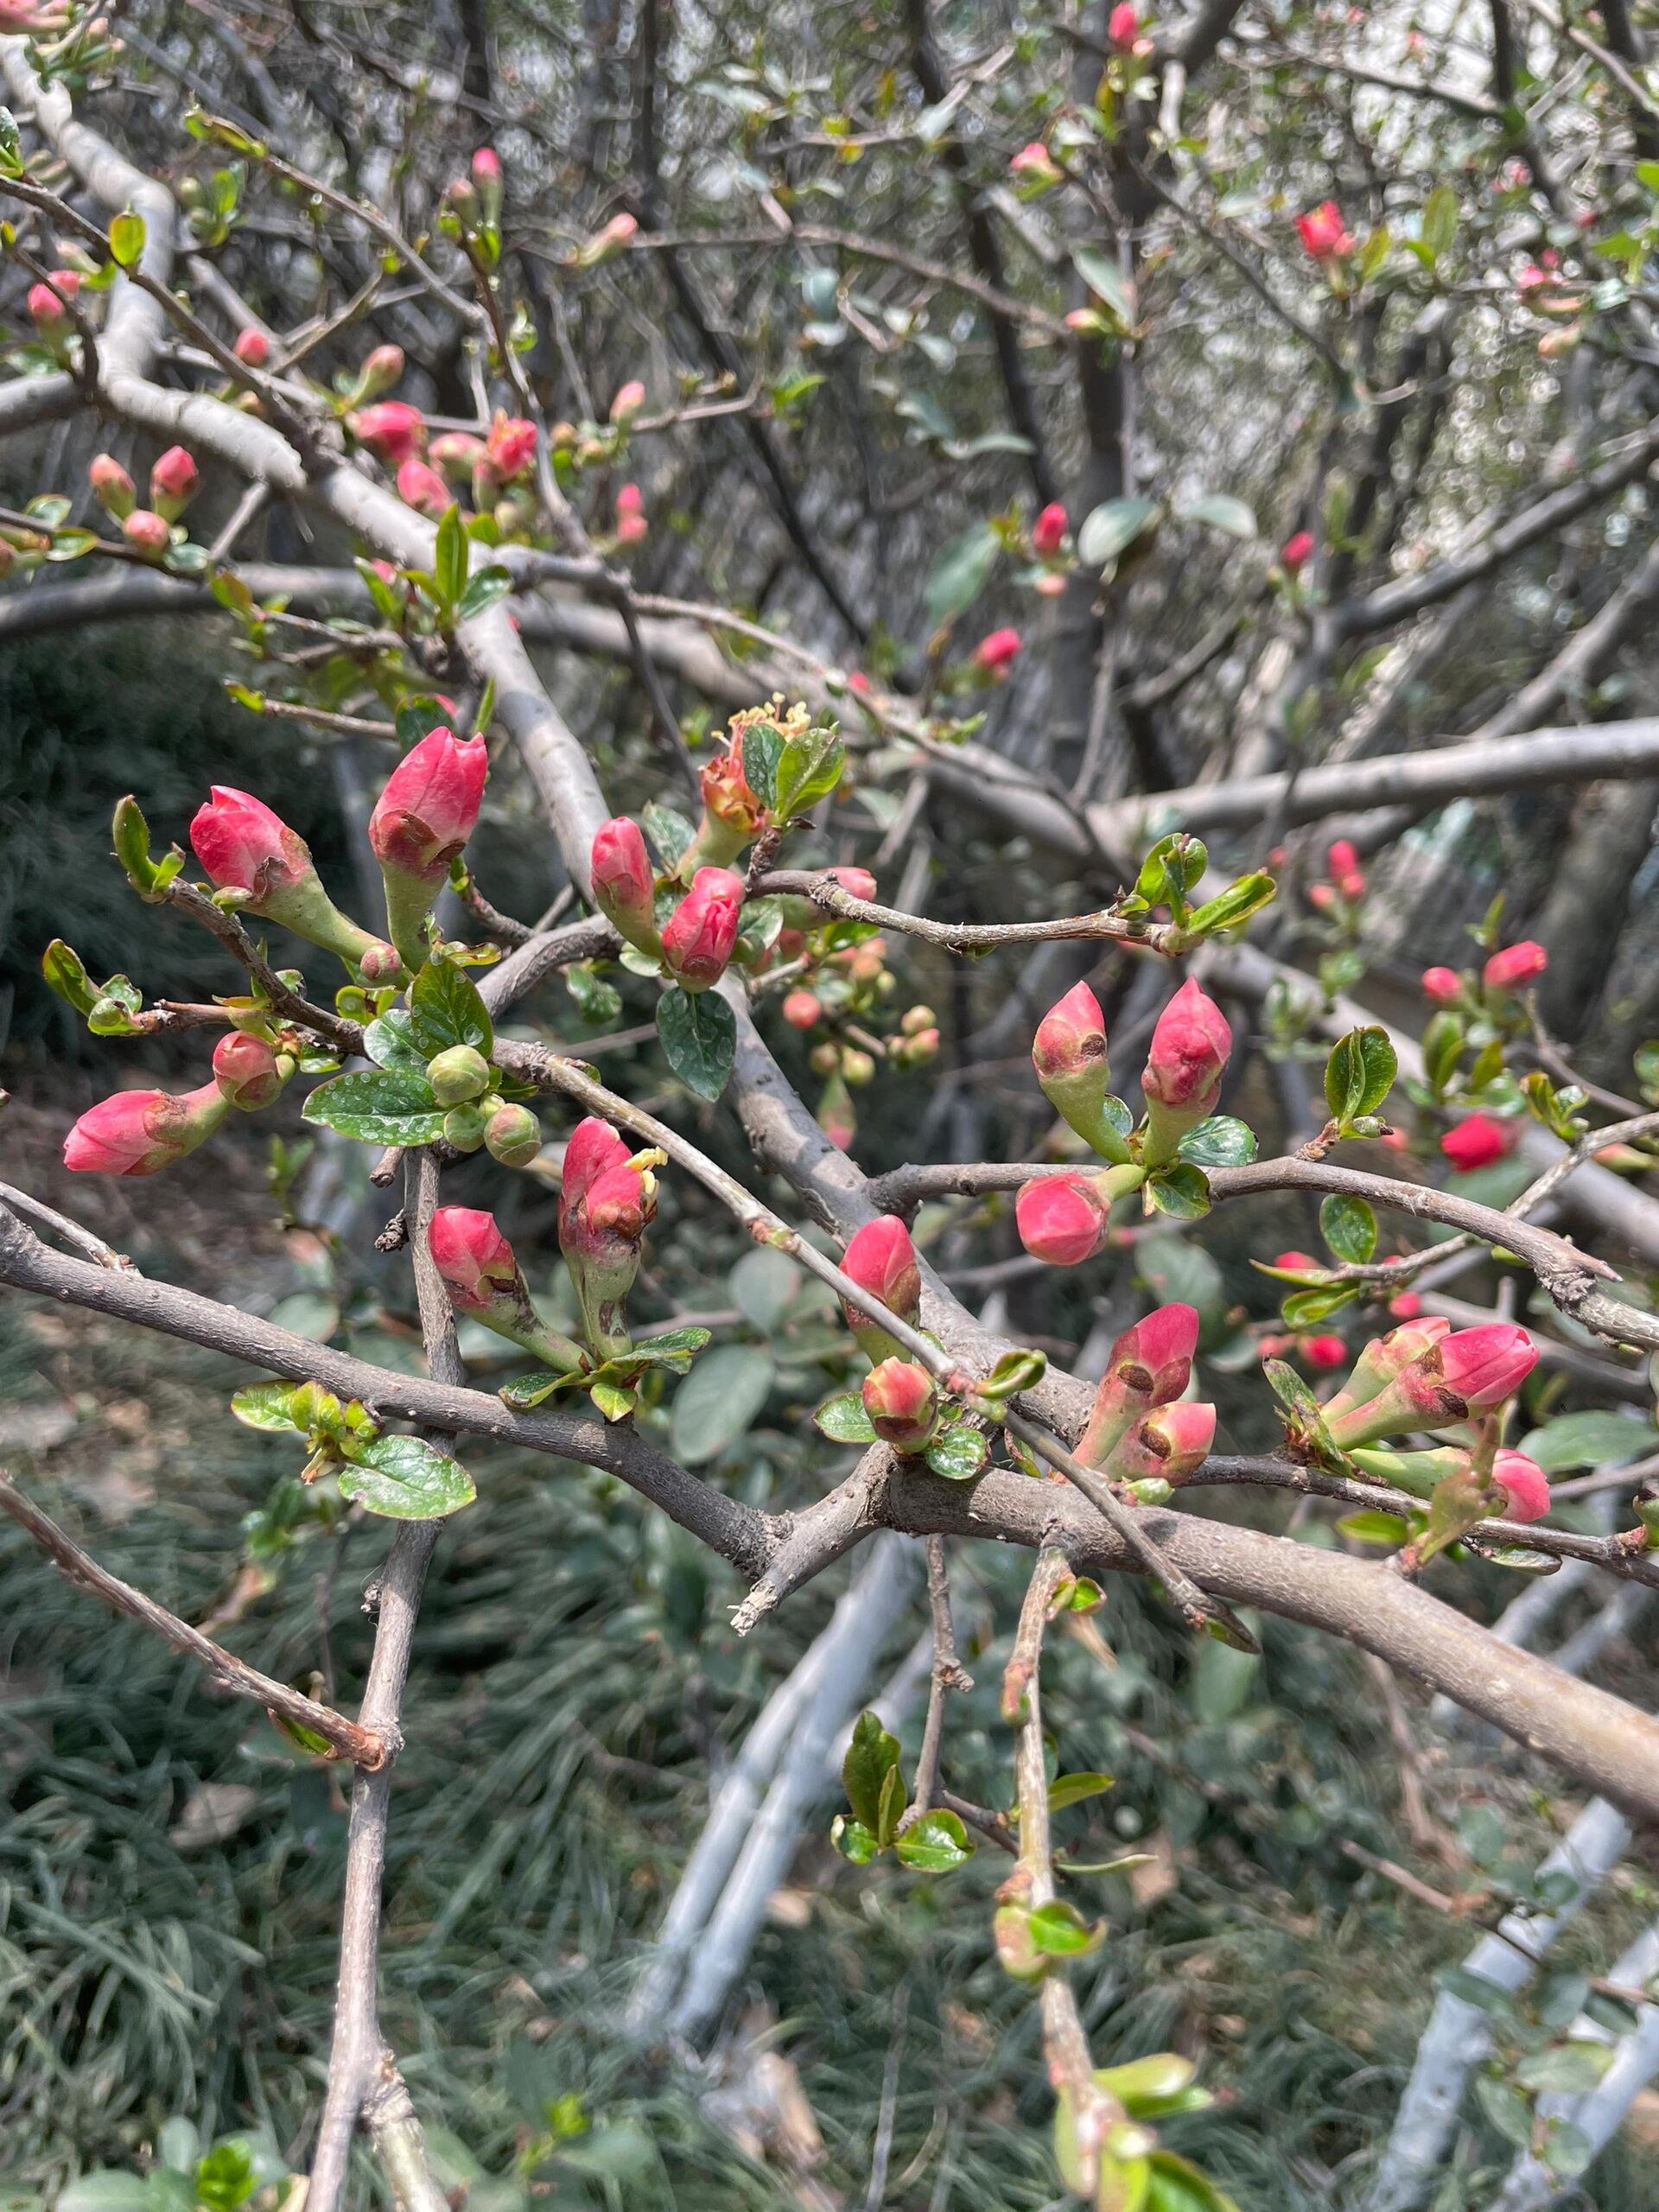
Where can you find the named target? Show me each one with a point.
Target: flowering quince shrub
(782, 986)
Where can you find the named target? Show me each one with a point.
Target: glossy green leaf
(482, 592)
(445, 1010)
(935, 1844)
(872, 1758)
(1359, 1074)
(126, 240)
(1349, 1227)
(378, 1106)
(450, 559)
(1073, 1789)
(1221, 510)
(265, 1405)
(698, 1033)
(844, 1421)
(1222, 1142)
(723, 1394)
(762, 747)
(809, 769)
(961, 573)
(669, 830)
(406, 1478)
(958, 1452)
(1110, 529)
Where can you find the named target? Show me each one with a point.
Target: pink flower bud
(1443, 985)
(630, 398)
(380, 963)
(995, 653)
(1321, 895)
(702, 933)
(624, 883)
(382, 370)
(605, 1199)
(1048, 531)
(486, 166)
(1034, 164)
(511, 445)
(425, 490)
(479, 1271)
(139, 1132)
(903, 1404)
(1478, 1141)
(147, 533)
(242, 844)
(393, 429)
(1295, 1260)
(248, 1070)
(1384, 1357)
(112, 488)
(1296, 552)
(46, 310)
(856, 881)
(802, 1010)
(1171, 1443)
(1069, 1053)
(1063, 1219)
(1323, 1351)
(252, 348)
(1407, 1306)
(617, 234)
(1150, 1365)
(1344, 864)
(881, 1259)
(1526, 1484)
(1488, 1364)
(1181, 1080)
(456, 451)
(421, 821)
(1515, 965)
(1468, 1371)
(173, 482)
(631, 524)
(1322, 233)
(1120, 27)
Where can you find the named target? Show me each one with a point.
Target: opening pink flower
(903, 1404)
(1322, 232)
(511, 445)
(393, 430)
(701, 934)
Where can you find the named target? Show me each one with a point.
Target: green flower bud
(464, 1126)
(458, 1075)
(513, 1136)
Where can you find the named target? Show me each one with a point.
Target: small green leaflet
(1359, 1074)
(378, 1106)
(958, 1452)
(698, 1033)
(934, 1845)
(445, 1009)
(1110, 529)
(844, 1421)
(763, 746)
(809, 768)
(1222, 1142)
(1349, 1227)
(669, 830)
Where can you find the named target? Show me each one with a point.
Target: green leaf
(1143, 2082)
(265, 1405)
(809, 768)
(104, 2190)
(961, 573)
(1221, 510)
(1359, 1074)
(1177, 2185)
(762, 746)
(376, 1106)
(935, 1844)
(126, 240)
(1475, 1989)
(1101, 274)
(406, 1478)
(844, 1421)
(669, 830)
(1110, 529)
(598, 1001)
(65, 972)
(1506, 2108)
(1015, 1371)
(450, 559)
(1440, 225)
(1442, 1049)
(445, 1009)
(1073, 1789)
(1222, 1142)
(1588, 1439)
(765, 1283)
(1567, 2150)
(612, 1398)
(853, 1840)
(1374, 1528)
(1564, 2068)
(958, 1452)
(1237, 904)
(872, 1758)
(698, 1033)
(389, 1043)
(529, 1391)
(717, 1401)
(1304, 1309)
(674, 1349)
(1060, 1931)
(11, 146)
(1349, 1227)
(482, 592)
(1180, 1192)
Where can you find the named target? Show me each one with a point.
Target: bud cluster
(1426, 1376)
(1142, 1428)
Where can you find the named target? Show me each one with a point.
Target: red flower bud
(1069, 1053)
(147, 533)
(631, 524)
(1296, 552)
(902, 1403)
(511, 445)
(1515, 966)
(394, 431)
(1322, 233)
(802, 1010)
(46, 310)
(858, 881)
(252, 348)
(173, 482)
(486, 166)
(243, 845)
(1453, 1376)
(702, 933)
(425, 490)
(248, 1070)
(1171, 1443)
(1063, 1219)
(1296, 1260)
(1120, 27)
(1488, 1364)
(1150, 1365)
(1341, 858)
(624, 883)
(1526, 1484)
(995, 654)
(1184, 1063)
(112, 488)
(482, 1277)
(1407, 1306)
(1478, 1141)
(379, 373)
(1442, 985)
(421, 821)
(1323, 1351)
(606, 1199)
(1321, 895)
(139, 1132)
(881, 1259)
(1048, 531)
(1034, 164)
